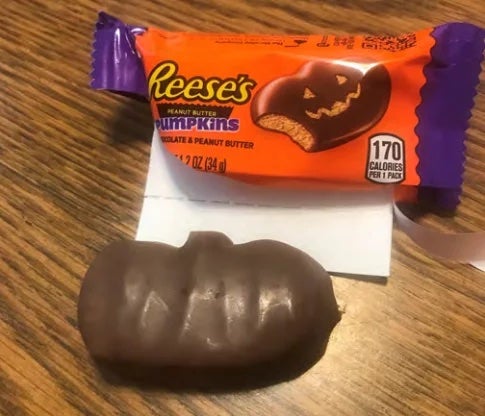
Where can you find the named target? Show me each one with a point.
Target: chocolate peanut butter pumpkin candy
(209, 303)
(324, 104)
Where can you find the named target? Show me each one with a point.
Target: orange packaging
(351, 110)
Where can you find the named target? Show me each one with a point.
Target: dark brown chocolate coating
(325, 104)
(207, 303)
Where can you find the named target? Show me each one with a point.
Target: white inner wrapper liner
(347, 232)
(457, 247)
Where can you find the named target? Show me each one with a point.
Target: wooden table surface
(72, 171)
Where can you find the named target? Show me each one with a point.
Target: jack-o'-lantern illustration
(325, 104)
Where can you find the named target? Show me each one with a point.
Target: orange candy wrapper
(314, 110)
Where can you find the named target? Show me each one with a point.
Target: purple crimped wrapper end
(452, 76)
(116, 65)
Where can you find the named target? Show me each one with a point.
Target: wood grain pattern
(72, 169)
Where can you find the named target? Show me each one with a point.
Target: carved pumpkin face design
(337, 107)
(325, 104)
